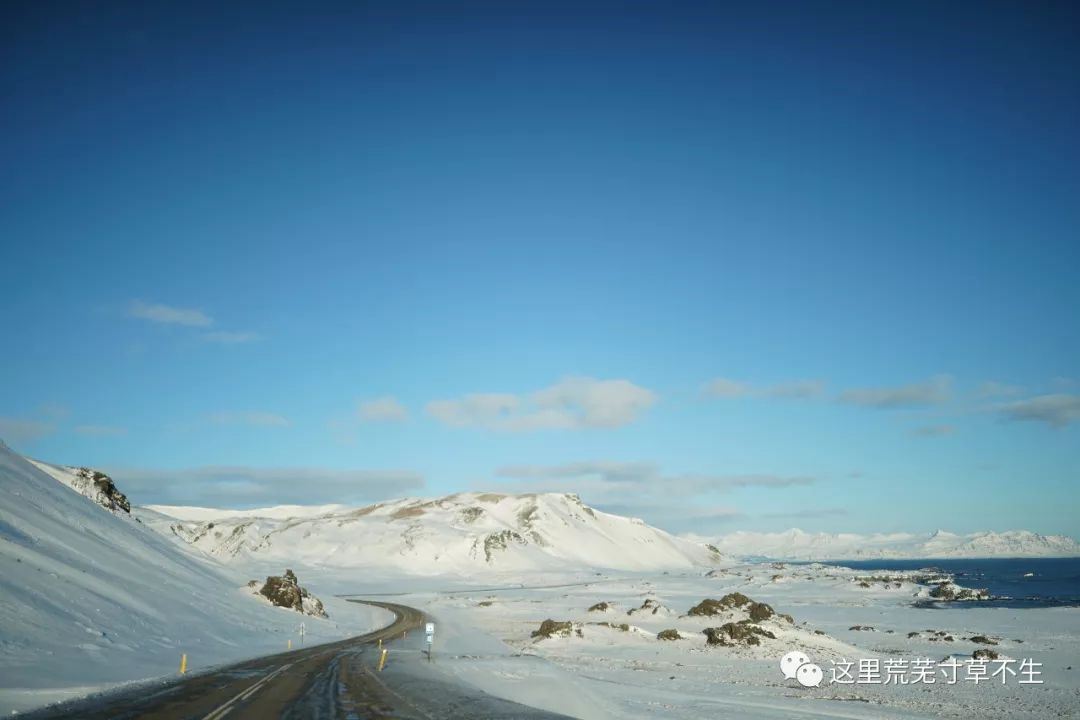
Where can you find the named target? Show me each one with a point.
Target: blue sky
(718, 266)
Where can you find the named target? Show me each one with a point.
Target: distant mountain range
(461, 533)
(798, 545)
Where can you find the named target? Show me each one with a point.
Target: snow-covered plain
(483, 637)
(91, 598)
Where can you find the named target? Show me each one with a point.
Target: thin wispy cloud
(251, 419)
(934, 391)
(726, 388)
(168, 314)
(571, 404)
(807, 514)
(54, 410)
(226, 337)
(383, 409)
(797, 389)
(19, 430)
(100, 430)
(602, 478)
(249, 487)
(1059, 409)
(791, 390)
(998, 390)
(934, 430)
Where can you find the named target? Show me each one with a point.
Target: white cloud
(227, 337)
(792, 390)
(169, 315)
(100, 430)
(808, 513)
(996, 389)
(384, 409)
(253, 419)
(54, 410)
(934, 391)
(1058, 410)
(796, 389)
(247, 487)
(18, 430)
(726, 388)
(934, 430)
(572, 403)
(612, 478)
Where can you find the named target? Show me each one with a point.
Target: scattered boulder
(734, 634)
(863, 628)
(600, 607)
(984, 654)
(948, 591)
(554, 628)
(709, 607)
(486, 603)
(620, 626)
(650, 605)
(944, 591)
(669, 634)
(982, 640)
(285, 591)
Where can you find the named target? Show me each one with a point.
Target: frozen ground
(483, 637)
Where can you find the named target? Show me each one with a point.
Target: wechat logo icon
(797, 666)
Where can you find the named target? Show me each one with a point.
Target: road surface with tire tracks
(335, 681)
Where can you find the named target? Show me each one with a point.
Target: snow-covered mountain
(462, 533)
(798, 545)
(91, 596)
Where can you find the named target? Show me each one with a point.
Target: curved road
(335, 680)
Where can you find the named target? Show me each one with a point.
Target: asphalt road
(337, 680)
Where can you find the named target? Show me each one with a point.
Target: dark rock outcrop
(733, 634)
(709, 607)
(555, 628)
(285, 591)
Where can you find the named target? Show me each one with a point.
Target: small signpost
(429, 631)
(301, 634)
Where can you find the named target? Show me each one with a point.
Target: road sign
(430, 628)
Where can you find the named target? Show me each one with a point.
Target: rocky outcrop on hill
(740, 633)
(285, 591)
(90, 483)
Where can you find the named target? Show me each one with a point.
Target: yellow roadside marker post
(290, 643)
(382, 660)
(183, 664)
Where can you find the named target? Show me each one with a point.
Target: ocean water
(1013, 582)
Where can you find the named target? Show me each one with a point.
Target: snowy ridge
(798, 545)
(460, 533)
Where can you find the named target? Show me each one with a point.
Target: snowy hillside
(461, 533)
(90, 597)
(799, 545)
